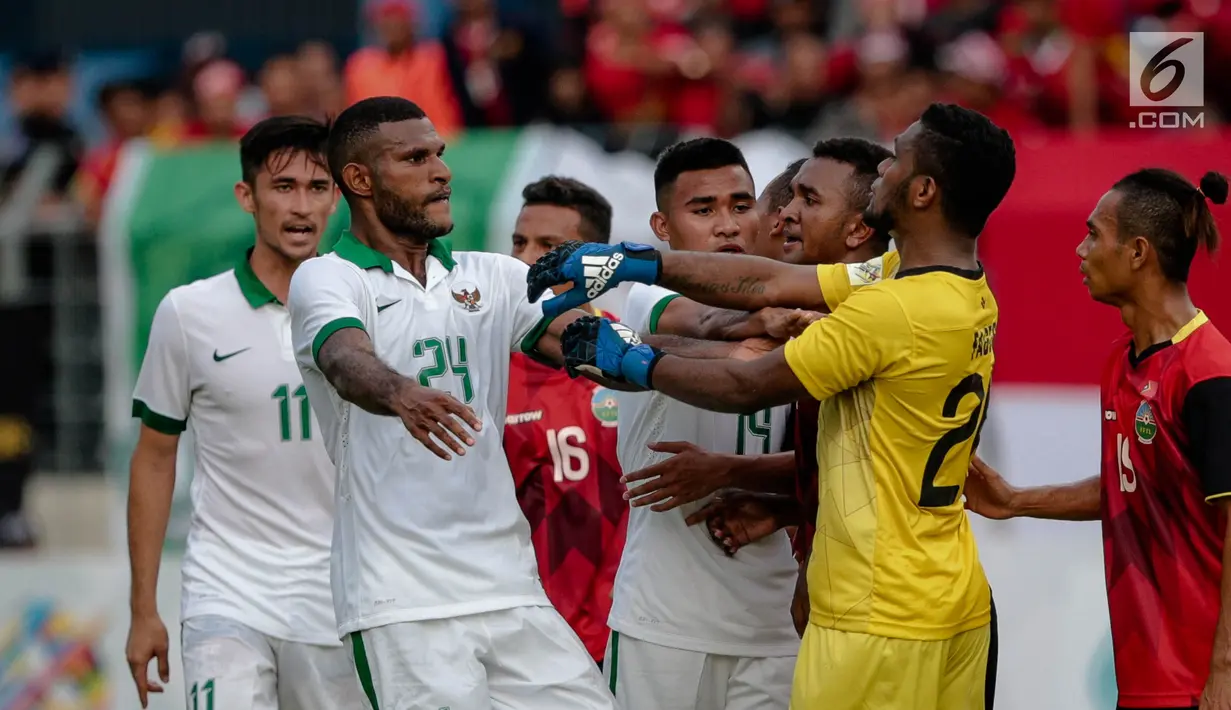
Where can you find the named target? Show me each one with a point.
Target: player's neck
(273, 270)
(1158, 314)
(408, 252)
(920, 251)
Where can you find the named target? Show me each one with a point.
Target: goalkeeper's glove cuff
(645, 263)
(637, 365)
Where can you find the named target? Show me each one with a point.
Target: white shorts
(526, 658)
(645, 675)
(229, 666)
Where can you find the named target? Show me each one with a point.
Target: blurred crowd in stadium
(812, 67)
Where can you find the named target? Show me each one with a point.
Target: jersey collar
(254, 291)
(365, 257)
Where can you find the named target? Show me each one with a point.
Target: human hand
(592, 269)
(428, 413)
(607, 351)
(987, 493)
(147, 640)
(690, 475)
(737, 518)
(786, 323)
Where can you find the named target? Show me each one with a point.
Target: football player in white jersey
(436, 585)
(258, 623)
(729, 643)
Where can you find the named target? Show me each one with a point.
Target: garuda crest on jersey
(467, 296)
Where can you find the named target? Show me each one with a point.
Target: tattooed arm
(741, 282)
(348, 360)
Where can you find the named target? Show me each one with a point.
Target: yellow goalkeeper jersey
(902, 368)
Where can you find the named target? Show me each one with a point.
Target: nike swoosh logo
(394, 303)
(228, 356)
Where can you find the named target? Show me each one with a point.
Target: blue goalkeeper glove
(592, 269)
(611, 350)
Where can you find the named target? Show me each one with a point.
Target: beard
(403, 217)
(882, 220)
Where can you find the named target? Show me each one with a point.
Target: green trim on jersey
(329, 329)
(158, 422)
(614, 660)
(657, 311)
(529, 344)
(365, 257)
(363, 669)
(254, 291)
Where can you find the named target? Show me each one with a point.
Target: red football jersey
(560, 438)
(1165, 455)
(807, 472)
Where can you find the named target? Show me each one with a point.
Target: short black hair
(778, 191)
(863, 156)
(693, 155)
(1172, 214)
(594, 209)
(279, 138)
(114, 89)
(972, 160)
(348, 138)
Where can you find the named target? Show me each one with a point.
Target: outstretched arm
(678, 315)
(729, 385)
(741, 282)
(349, 361)
(990, 495)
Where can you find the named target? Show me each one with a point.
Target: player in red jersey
(1165, 485)
(560, 436)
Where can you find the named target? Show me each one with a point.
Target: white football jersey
(220, 362)
(675, 586)
(417, 537)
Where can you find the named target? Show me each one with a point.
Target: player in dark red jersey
(560, 436)
(1165, 485)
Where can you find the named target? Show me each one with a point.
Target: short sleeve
(863, 338)
(326, 296)
(839, 281)
(1207, 419)
(645, 305)
(529, 323)
(163, 393)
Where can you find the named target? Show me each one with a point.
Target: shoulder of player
(210, 293)
(1206, 354)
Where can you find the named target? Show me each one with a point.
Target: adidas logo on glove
(598, 270)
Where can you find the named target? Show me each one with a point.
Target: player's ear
(857, 232)
(1139, 251)
(244, 196)
(357, 179)
(658, 223)
(923, 191)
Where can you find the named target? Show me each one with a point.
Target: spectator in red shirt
(128, 111)
(560, 436)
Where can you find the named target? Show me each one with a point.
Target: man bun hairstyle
(1172, 214)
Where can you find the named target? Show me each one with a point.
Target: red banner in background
(1050, 331)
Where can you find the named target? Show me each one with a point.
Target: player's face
(1106, 262)
(889, 202)
(410, 181)
(710, 210)
(818, 218)
(541, 228)
(770, 234)
(291, 200)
